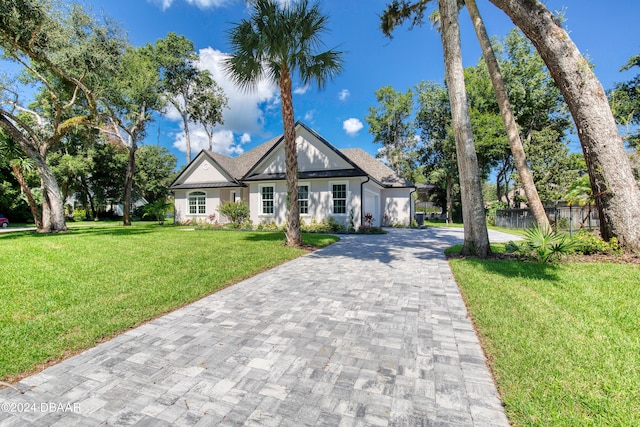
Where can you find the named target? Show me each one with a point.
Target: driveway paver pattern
(370, 331)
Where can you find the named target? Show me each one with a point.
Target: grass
(64, 292)
(563, 339)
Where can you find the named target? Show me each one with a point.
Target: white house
(343, 184)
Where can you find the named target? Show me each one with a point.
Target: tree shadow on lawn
(93, 231)
(263, 236)
(512, 268)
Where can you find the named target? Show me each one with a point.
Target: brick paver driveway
(371, 331)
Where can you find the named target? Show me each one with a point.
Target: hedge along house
(344, 185)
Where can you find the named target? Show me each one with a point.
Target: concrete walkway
(370, 331)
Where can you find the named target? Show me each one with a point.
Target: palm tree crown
(278, 39)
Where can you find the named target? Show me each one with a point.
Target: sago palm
(277, 43)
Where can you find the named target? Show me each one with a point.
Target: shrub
(543, 244)
(368, 220)
(370, 230)
(156, 211)
(237, 212)
(587, 243)
(268, 225)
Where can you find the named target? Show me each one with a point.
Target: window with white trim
(339, 198)
(197, 202)
(303, 198)
(266, 199)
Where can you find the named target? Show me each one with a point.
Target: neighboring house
(342, 184)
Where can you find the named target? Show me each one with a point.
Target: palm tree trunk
(33, 206)
(612, 181)
(533, 199)
(293, 236)
(476, 237)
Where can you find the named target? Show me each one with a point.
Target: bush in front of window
(236, 212)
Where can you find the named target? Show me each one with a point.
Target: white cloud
(208, 4)
(244, 117)
(352, 126)
(308, 116)
(223, 142)
(245, 112)
(202, 4)
(344, 94)
(301, 90)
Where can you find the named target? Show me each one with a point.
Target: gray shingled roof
(238, 167)
(375, 168)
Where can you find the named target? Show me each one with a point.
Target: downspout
(362, 200)
(173, 195)
(411, 214)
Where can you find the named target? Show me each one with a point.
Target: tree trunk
(128, 183)
(449, 198)
(476, 238)
(56, 204)
(52, 203)
(187, 136)
(612, 181)
(293, 236)
(85, 188)
(533, 199)
(33, 206)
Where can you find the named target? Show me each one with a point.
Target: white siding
(320, 202)
(313, 155)
(397, 206)
(204, 171)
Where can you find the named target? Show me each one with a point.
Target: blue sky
(606, 32)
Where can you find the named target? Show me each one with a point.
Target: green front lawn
(64, 292)
(564, 339)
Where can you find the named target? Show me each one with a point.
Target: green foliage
(625, 103)
(544, 244)
(236, 212)
(491, 211)
(391, 125)
(579, 192)
(325, 226)
(587, 243)
(268, 225)
(155, 170)
(156, 210)
(281, 39)
(207, 103)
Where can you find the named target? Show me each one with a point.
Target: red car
(4, 222)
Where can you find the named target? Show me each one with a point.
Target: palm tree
(276, 43)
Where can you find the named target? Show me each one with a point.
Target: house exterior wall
(320, 201)
(311, 157)
(214, 198)
(372, 202)
(397, 206)
(204, 171)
